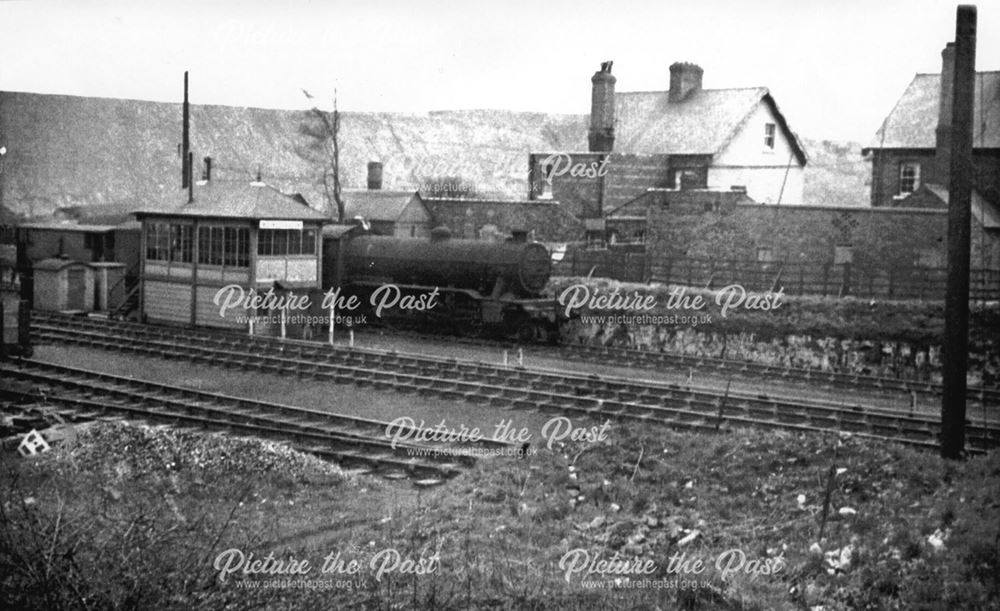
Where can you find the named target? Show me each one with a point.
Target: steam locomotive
(481, 288)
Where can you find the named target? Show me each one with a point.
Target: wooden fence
(807, 278)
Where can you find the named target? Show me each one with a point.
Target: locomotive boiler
(485, 287)
(519, 269)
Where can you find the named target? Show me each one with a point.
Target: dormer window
(909, 177)
(769, 130)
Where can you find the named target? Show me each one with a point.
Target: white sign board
(281, 225)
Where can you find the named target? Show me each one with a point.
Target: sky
(834, 68)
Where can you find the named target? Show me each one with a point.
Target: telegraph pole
(955, 351)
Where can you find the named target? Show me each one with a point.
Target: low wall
(896, 339)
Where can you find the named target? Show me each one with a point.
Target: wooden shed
(63, 285)
(234, 236)
(83, 242)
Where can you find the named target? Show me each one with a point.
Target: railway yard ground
(136, 516)
(695, 376)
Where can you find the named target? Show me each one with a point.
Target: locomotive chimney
(374, 175)
(601, 138)
(942, 154)
(685, 78)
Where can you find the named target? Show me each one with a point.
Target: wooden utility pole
(185, 137)
(955, 351)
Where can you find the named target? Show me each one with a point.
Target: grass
(126, 521)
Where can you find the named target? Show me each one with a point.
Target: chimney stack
(601, 138)
(374, 175)
(942, 155)
(685, 78)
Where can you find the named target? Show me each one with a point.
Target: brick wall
(472, 218)
(625, 177)
(721, 226)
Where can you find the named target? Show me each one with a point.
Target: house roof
(242, 199)
(703, 123)
(100, 214)
(912, 123)
(57, 226)
(986, 212)
(376, 204)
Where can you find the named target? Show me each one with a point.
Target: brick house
(686, 137)
(911, 148)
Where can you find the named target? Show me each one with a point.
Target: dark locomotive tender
(486, 288)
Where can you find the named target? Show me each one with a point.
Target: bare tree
(323, 130)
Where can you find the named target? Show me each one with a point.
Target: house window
(224, 246)
(686, 179)
(769, 130)
(909, 177)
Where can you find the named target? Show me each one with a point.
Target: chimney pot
(374, 175)
(685, 78)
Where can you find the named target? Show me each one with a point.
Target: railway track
(988, 394)
(352, 442)
(590, 395)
